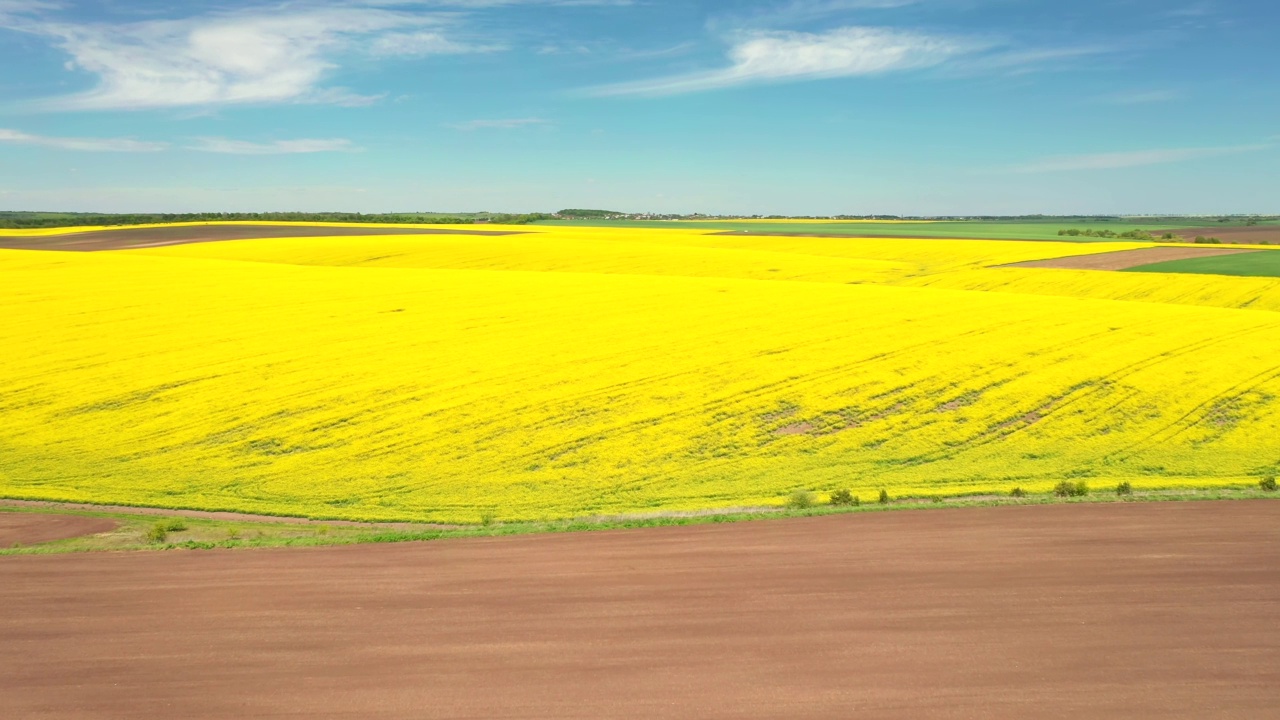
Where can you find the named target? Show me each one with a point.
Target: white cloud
(798, 11)
(761, 57)
(278, 147)
(1138, 158)
(84, 144)
(254, 56)
(509, 124)
(422, 43)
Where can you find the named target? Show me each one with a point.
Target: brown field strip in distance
(1239, 235)
(1117, 610)
(1125, 259)
(131, 238)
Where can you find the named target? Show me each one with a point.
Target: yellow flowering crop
(577, 371)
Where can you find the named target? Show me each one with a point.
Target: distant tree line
(579, 213)
(19, 220)
(1141, 235)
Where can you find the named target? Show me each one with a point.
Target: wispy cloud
(83, 144)
(1137, 158)
(507, 124)
(778, 14)
(1198, 9)
(279, 147)
(763, 57)
(264, 55)
(423, 43)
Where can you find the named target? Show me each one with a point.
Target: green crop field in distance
(1264, 263)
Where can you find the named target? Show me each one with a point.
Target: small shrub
(1124, 488)
(843, 497)
(487, 518)
(1268, 484)
(884, 496)
(1207, 240)
(1068, 489)
(1017, 492)
(801, 500)
(159, 531)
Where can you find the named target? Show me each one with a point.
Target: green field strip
(1263, 263)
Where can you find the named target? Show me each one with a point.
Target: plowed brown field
(32, 528)
(1241, 234)
(1065, 611)
(125, 238)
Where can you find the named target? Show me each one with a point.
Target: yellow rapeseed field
(578, 371)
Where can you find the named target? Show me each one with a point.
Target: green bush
(1137, 235)
(1268, 484)
(159, 531)
(1068, 489)
(1124, 488)
(1017, 492)
(801, 500)
(1207, 240)
(843, 497)
(884, 496)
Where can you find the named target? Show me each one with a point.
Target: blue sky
(759, 106)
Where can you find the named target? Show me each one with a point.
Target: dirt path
(1125, 259)
(1143, 610)
(32, 528)
(215, 515)
(129, 238)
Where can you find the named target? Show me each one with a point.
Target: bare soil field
(1240, 235)
(126, 238)
(31, 528)
(1118, 610)
(1125, 259)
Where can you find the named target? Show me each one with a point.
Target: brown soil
(129, 238)
(31, 528)
(1240, 235)
(1124, 259)
(1123, 610)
